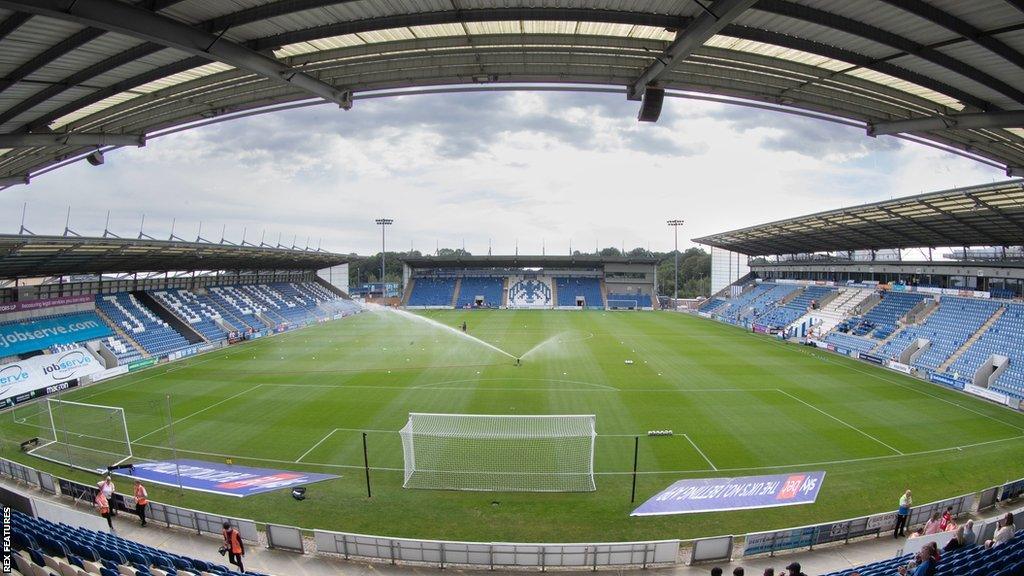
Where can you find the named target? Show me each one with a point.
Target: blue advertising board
(218, 478)
(29, 336)
(946, 380)
(720, 494)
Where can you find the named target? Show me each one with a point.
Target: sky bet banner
(45, 374)
(720, 494)
(30, 336)
(224, 479)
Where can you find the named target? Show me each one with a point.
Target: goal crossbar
(489, 452)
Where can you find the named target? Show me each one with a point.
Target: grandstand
(127, 323)
(84, 78)
(929, 318)
(538, 282)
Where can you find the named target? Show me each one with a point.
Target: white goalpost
(620, 304)
(499, 453)
(85, 436)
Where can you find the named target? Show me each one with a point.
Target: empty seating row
(488, 289)
(851, 342)
(786, 314)
(883, 317)
(239, 305)
(200, 316)
(712, 305)
(947, 329)
(122, 350)
(1004, 338)
(569, 289)
(432, 292)
(145, 327)
(97, 552)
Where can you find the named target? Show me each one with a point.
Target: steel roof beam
(6, 181)
(1006, 119)
(881, 36)
(73, 139)
(140, 23)
(964, 29)
(1000, 211)
(12, 23)
(73, 42)
(857, 59)
(703, 27)
(1018, 4)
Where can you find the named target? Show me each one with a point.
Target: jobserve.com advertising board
(38, 376)
(32, 335)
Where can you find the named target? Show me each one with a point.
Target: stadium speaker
(299, 492)
(650, 109)
(96, 158)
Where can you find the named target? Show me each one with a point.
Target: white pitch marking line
(322, 440)
(843, 422)
(197, 412)
(701, 452)
(648, 472)
(871, 373)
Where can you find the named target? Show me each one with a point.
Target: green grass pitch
(740, 403)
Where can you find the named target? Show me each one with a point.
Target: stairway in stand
(974, 338)
(455, 293)
(124, 335)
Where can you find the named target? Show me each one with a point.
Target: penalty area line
(701, 452)
(322, 440)
(198, 412)
(843, 422)
(606, 473)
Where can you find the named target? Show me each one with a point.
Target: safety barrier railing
(491, 555)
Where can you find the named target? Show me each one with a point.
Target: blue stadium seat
(140, 323)
(432, 292)
(569, 289)
(490, 288)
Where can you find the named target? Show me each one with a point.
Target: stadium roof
(23, 256)
(524, 261)
(986, 215)
(77, 75)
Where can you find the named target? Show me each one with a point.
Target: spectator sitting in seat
(1004, 533)
(737, 571)
(924, 564)
(916, 533)
(933, 548)
(970, 538)
(932, 526)
(769, 572)
(956, 541)
(716, 571)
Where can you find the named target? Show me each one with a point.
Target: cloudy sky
(537, 168)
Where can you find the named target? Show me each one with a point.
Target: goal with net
(621, 304)
(85, 436)
(499, 453)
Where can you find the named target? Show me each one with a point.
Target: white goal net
(499, 453)
(86, 436)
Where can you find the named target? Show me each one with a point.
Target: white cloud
(529, 166)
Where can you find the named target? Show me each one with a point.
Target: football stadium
(836, 391)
